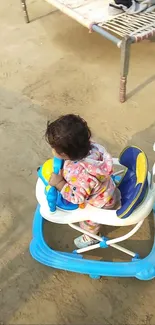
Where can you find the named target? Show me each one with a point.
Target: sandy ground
(49, 67)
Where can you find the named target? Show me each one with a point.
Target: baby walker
(137, 200)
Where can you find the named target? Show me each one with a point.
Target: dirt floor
(49, 67)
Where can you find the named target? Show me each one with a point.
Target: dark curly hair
(69, 134)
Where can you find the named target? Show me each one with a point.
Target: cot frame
(144, 29)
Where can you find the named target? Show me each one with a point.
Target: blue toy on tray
(137, 201)
(54, 198)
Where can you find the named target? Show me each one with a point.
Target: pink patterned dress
(89, 180)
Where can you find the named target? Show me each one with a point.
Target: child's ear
(64, 156)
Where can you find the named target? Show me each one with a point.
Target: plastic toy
(53, 197)
(137, 201)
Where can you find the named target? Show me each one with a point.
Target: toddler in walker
(87, 169)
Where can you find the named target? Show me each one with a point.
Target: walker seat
(134, 185)
(137, 201)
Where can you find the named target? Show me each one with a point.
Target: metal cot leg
(23, 2)
(125, 57)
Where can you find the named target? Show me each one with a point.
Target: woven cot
(123, 29)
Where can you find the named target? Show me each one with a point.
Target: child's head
(69, 137)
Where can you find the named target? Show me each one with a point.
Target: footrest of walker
(136, 257)
(103, 243)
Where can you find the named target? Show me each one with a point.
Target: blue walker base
(142, 269)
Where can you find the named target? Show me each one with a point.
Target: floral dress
(89, 180)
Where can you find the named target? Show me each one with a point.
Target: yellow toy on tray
(53, 197)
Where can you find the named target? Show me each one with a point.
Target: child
(86, 171)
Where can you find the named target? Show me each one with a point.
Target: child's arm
(107, 160)
(73, 194)
(57, 181)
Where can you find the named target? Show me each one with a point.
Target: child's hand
(57, 181)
